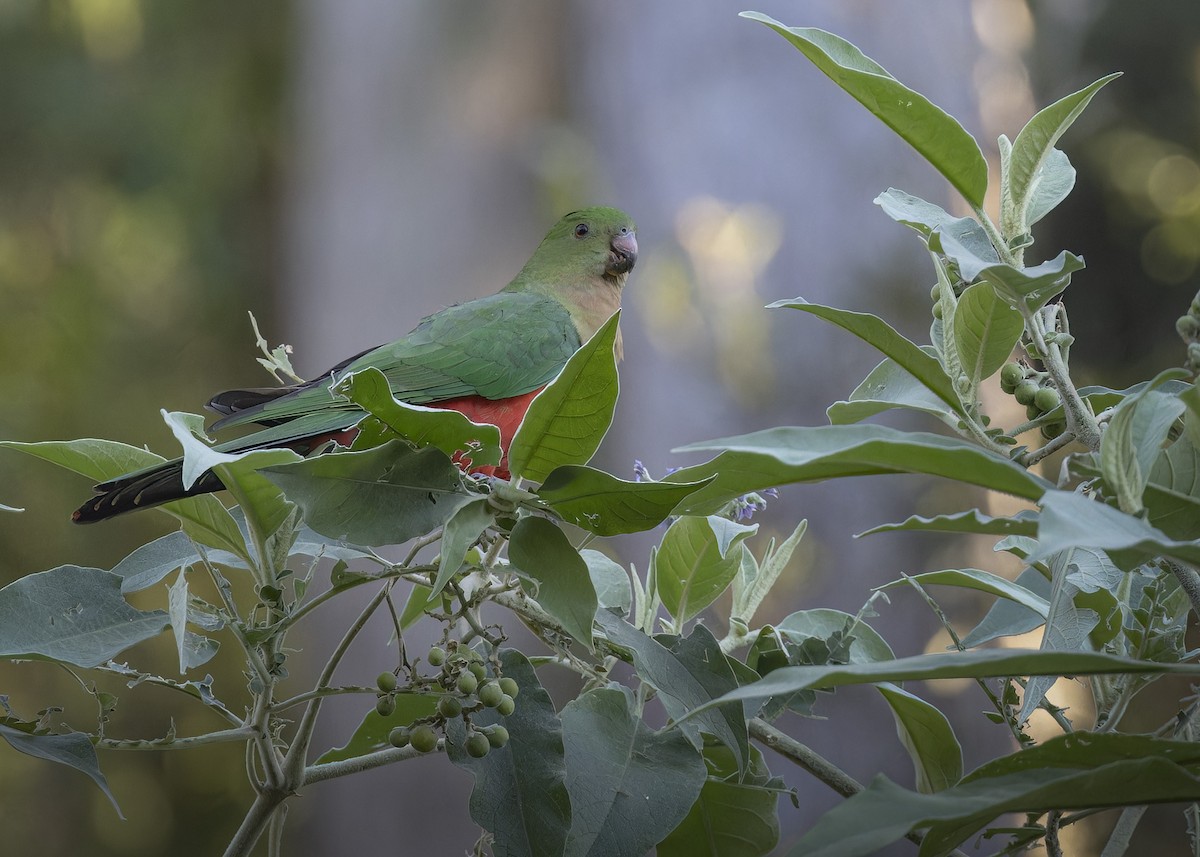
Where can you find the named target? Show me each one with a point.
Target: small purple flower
(640, 473)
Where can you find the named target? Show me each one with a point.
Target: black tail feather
(142, 491)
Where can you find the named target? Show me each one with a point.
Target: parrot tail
(142, 490)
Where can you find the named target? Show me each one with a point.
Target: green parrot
(486, 358)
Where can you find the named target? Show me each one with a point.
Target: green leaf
(697, 561)
(520, 793)
(381, 496)
(629, 785)
(372, 734)
(935, 134)
(750, 590)
(204, 518)
(734, 816)
(607, 506)
(1024, 523)
(985, 330)
(981, 581)
(686, 674)
(542, 552)
(884, 812)
(416, 605)
(462, 530)
(878, 333)
(448, 430)
(1052, 185)
(1008, 618)
(890, 386)
(1035, 286)
(1072, 520)
(72, 614)
(928, 737)
(73, 749)
(567, 420)
(177, 609)
(261, 501)
(981, 663)
(784, 455)
(821, 623)
(1133, 442)
(1031, 163)
(961, 239)
(1172, 495)
(611, 581)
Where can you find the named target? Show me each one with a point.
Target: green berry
(491, 695)
(467, 683)
(1046, 399)
(937, 310)
(510, 686)
(477, 669)
(1025, 391)
(399, 736)
(1011, 374)
(507, 706)
(478, 745)
(386, 682)
(497, 735)
(436, 656)
(1188, 327)
(935, 293)
(385, 705)
(449, 707)
(1032, 412)
(423, 738)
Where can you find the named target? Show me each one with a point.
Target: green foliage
(1109, 553)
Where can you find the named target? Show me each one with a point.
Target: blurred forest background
(343, 168)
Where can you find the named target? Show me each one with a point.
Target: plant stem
(241, 733)
(259, 816)
(1080, 421)
(344, 767)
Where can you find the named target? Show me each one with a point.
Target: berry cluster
(1031, 389)
(464, 687)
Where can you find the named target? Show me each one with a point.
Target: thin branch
(241, 733)
(345, 767)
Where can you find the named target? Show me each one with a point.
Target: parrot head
(597, 243)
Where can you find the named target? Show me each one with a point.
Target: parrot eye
(581, 230)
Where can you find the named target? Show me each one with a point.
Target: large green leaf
(810, 454)
(520, 793)
(889, 386)
(878, 333)
(981, 663)
(1073, 520)
(1031, 161)
(986, 329)
(735, 816)
(381, 496)
(884, 812)
(697, 561)
(981, 581)
(448, 430)
(935, 134)
(687, 673)
(1024, 523)
(73, 749)
(928, 737)
(611, 581)
(72, 614)
(607, 506)
(1008, 618)
(1035, 286)
(567, 420)
(630, 785)
(204, 518)
(1172, 495)
(561, 581)
(462, 530)
(1133, 442)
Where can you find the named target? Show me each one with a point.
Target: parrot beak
(624, 253)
